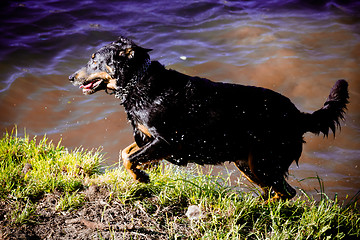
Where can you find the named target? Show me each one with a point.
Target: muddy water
(297, 49)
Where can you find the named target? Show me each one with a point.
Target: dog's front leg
(133, 156)
(131, 168)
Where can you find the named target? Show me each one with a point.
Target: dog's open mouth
(98, 81)
(92, 86)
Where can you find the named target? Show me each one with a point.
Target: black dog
(189, 119)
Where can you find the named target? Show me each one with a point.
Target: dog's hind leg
(282, 189)
(271, 176)
(245, 170)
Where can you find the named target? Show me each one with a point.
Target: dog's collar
(122, 92)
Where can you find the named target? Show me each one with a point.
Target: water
(293, 47)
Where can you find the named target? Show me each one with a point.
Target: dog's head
(113, 67)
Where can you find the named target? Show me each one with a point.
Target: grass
(226, 212)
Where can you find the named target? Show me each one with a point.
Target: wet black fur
(195, 120)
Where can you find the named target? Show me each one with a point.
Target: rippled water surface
(297, 49)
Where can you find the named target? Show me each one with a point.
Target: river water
(294, 47)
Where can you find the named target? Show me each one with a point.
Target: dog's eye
(128, 50)
(128, 53)
(93, 56)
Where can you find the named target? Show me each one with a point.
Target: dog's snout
(72, 77)
(79, 75)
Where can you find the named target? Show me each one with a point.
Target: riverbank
(49, 192)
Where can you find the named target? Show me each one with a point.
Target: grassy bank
(47, 191)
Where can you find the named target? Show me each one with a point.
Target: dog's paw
(142, 176)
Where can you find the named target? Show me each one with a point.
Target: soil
(98, 218)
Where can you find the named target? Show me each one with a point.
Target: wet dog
(186, 119)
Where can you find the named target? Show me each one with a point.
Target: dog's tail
(330, 115)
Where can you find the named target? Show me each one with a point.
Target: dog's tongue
(87, 86)
(91, 85)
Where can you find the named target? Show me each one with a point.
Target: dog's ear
(142, 50)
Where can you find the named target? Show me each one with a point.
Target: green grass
(227, 213)
(53, 167)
